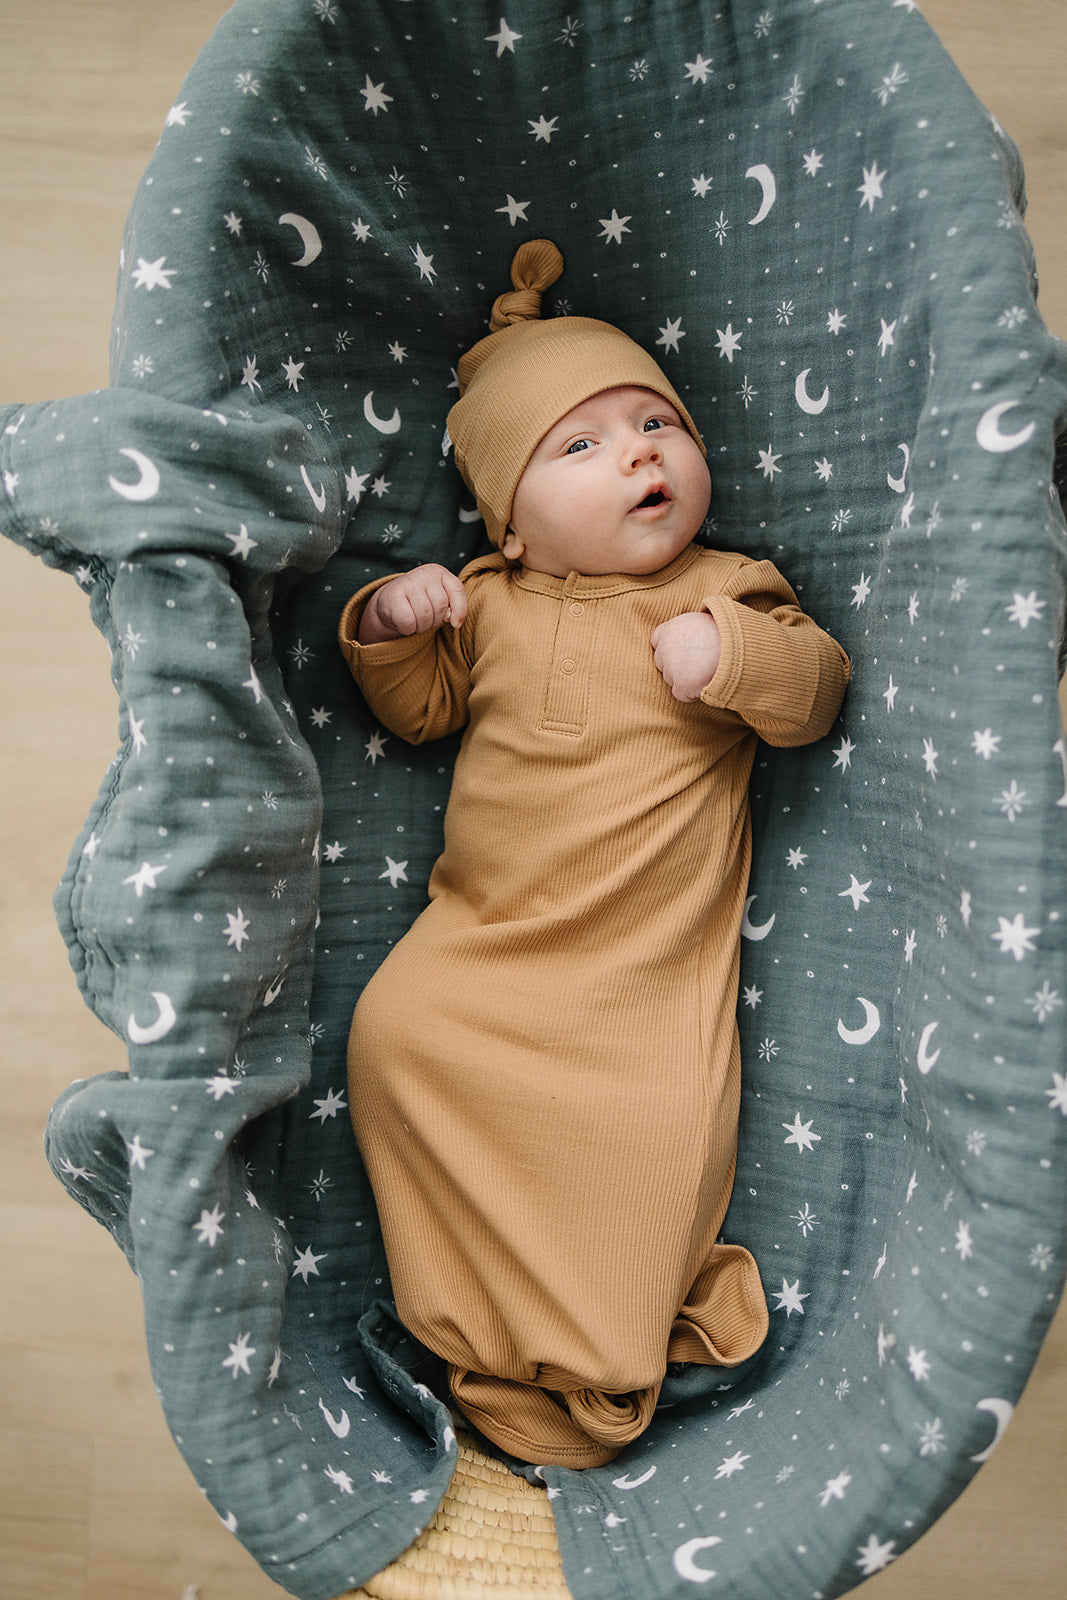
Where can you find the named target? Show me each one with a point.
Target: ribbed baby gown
(544, 1072)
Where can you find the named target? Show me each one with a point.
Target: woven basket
(493, 1535)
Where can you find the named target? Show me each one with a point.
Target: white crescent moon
(803, 398)
(318, 495)
(338, 1426)
(897, 484)
(926, 1060)
(1003, 1410)
(388, 425)
(147, 484)
(156, 1030)
(765, 178)
(229, 1521)
(633, 1483)
(684, 1564)
(988, 431)
(310, 237)
(747, 928)
(865, 1034)
(470, 516)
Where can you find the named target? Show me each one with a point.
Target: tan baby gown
(544, 1072)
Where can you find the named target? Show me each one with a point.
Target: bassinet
(806, 216)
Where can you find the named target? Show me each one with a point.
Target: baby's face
(618, 485)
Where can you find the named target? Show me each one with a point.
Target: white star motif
(294, 373)
(907, 511)
(252, 682)
(670, 335)
(355, 483)
(137, 733)
(1057, 1095)
(233, 222)
(242, 544)
(417, 1496)
(913, 608)
(321, 717)
(732, 1464)
(986, 743)
(753, 996)
(843, 753)
(144, 878)
(505, 39)
(861, 591)
(382, 1477)
(11, 483)
(930, 757)
(178, 115)
(424, 263)
(152, 274)
(240, 1355)
(886, 1341)
(334, 852)
(614, 227)
(965, 907)
(334, 1102)
(543, 129)
(395, 872)
(795, 859)
(361, 230)
(835, 1488)
(307, 1263)
(875, 1556)
(964, 1244)
(699, 70)
(138, 1153)
(341, 1480)
(220, 1086)
(789, 1298)
(835, 321)
(375, 746)
(728, 341)
(918, 1364)
(910, 942)
(1014, 937)
(1025, 608)
(76, 1174)
(515, 210)
(237, 926)
(825, 469)
(768, 463)
(701, 186)
(374, 96)
(250, 375)
(886, 337)
(210, 1226)
(800, 1134)
(871, 187)
(812, 162)
(856, 892)
(890, 694)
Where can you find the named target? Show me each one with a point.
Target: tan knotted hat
(517, 383)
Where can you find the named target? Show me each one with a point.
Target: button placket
(567, 691)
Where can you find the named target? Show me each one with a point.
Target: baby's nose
(644, 447)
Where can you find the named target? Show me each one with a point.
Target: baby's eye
(653, 423)
(579, 444)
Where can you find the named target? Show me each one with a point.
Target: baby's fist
(419, 601)
(686, 651)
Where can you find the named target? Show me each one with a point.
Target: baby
(545, 1071)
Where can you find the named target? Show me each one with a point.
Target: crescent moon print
(339, 1426)
(927, 1060)
(147, 484)
(765, 178)
(897, 484)
(309, 235)
(383, 425)
(685, 1563)
(470, 516)
(633, 1483)
(318, 495)
(803, 398)
(1003, 1410)
(870, 1027)
(155, 1030)
(751, 932)
(988, 431)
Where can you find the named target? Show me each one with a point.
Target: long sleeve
(779, 671)
(417, 687)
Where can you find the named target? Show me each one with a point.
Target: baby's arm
(420, 601)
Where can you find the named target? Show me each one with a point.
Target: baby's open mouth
(656, 498)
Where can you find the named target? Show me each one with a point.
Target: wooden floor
(95, 1503)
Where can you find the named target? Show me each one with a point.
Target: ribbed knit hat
(518, 382)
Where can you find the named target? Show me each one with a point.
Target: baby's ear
(513, 548)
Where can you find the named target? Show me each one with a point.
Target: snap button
(577, 609)
(568, 665)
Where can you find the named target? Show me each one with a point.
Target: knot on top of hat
(537, 264)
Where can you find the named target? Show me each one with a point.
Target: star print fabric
(800, 209)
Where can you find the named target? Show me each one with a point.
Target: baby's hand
(419, 601)
(687, 650)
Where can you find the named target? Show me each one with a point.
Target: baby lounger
(802, 212)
